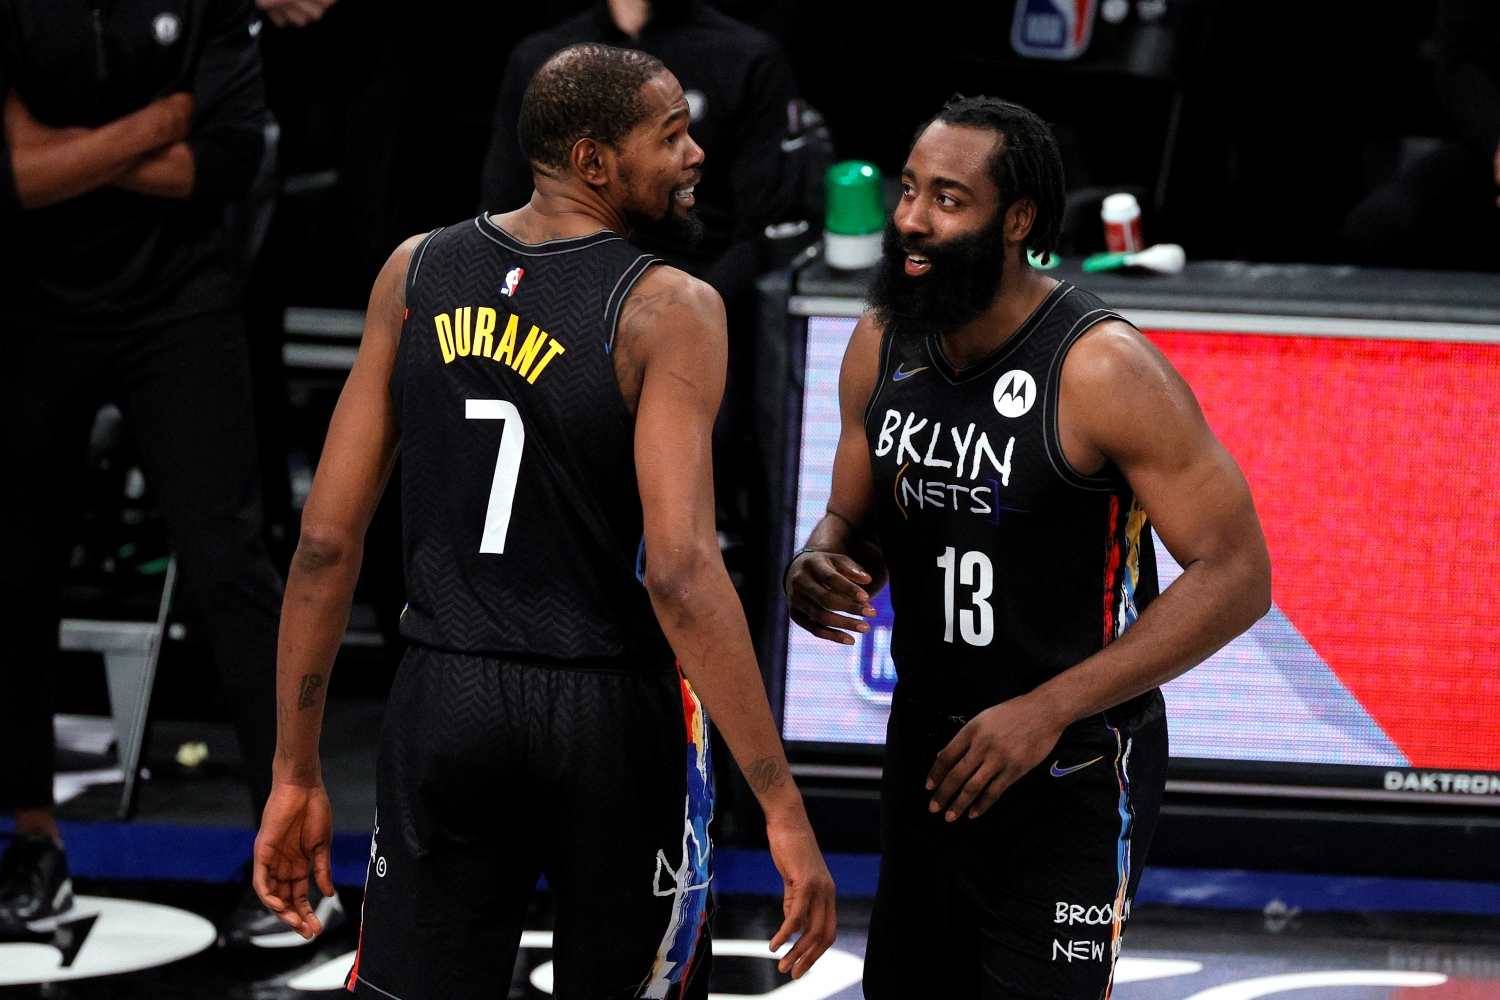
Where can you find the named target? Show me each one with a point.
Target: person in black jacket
(1442, 208)
(133, 131)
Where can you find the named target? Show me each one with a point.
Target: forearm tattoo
(308, 696)
(766, 774)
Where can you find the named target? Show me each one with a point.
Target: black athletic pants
(185, 392)
(1030, 899)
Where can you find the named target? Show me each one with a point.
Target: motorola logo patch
(1015, 393)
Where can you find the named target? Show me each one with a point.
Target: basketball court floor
(1171, 953)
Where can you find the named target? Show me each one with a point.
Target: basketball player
(1008, 445)
(553, 393)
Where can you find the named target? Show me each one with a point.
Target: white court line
(1250, 989)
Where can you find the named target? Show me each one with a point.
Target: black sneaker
(34, 885)
(252, 925)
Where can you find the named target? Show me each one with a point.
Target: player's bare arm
(297, 828)
(829, 583)
(1122, 401)
(671, 353)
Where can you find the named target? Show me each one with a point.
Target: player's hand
(989, 753)
(808, 905)
(296, 832)
(819, 585)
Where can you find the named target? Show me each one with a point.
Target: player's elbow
(678, 576)
(320, 547)
(1255, 584)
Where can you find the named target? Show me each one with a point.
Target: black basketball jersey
(1007, 567)
(522, 519)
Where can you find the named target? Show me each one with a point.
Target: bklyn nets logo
(1015, 393)
(512, 279)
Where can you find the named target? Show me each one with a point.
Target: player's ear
(589, 159)
(1019, 218)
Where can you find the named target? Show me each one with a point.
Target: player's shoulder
(861, 368)
(663, 288)
(1112, 351)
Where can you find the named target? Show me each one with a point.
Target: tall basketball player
(1008, 446)
(553, 392)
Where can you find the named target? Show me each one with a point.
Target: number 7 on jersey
(507, 467)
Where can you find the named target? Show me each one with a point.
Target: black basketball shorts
(493, 772)
(1030, 899)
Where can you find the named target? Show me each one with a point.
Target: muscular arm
(296, 829)
(841, 567)
(1128, 404)
(1122, 401)
(672, 343)
(52, 165)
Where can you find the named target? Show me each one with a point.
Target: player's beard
(679, 227)
(961, 283)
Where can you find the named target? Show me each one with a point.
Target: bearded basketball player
(552, 391)
(1008, 446)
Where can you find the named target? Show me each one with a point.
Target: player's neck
(1022, 289)
(561, 215)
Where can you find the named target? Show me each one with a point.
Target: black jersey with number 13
(522, 519)
(1007, 566)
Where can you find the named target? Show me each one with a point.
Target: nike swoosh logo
(1061, 772)
(898, 375)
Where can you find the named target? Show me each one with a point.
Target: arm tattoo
(308, 695)
(766, 774)
(639, 317)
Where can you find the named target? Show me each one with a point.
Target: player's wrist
(298, 773)
(1052, 707)
(786, 810)
(786, 574)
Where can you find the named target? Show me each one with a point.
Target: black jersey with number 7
(521, 515)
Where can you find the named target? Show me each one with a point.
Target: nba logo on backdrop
(1052, 29)
(875, 678)
(512, 279)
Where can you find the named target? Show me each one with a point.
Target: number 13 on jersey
(976, 624)
(507, 467)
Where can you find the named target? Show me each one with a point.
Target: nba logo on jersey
(1052, 29)
(512, 279)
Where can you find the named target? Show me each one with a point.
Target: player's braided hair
(583, 92)
(1026, 162)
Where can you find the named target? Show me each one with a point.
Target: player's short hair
(583, 92)
(1026, 163)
